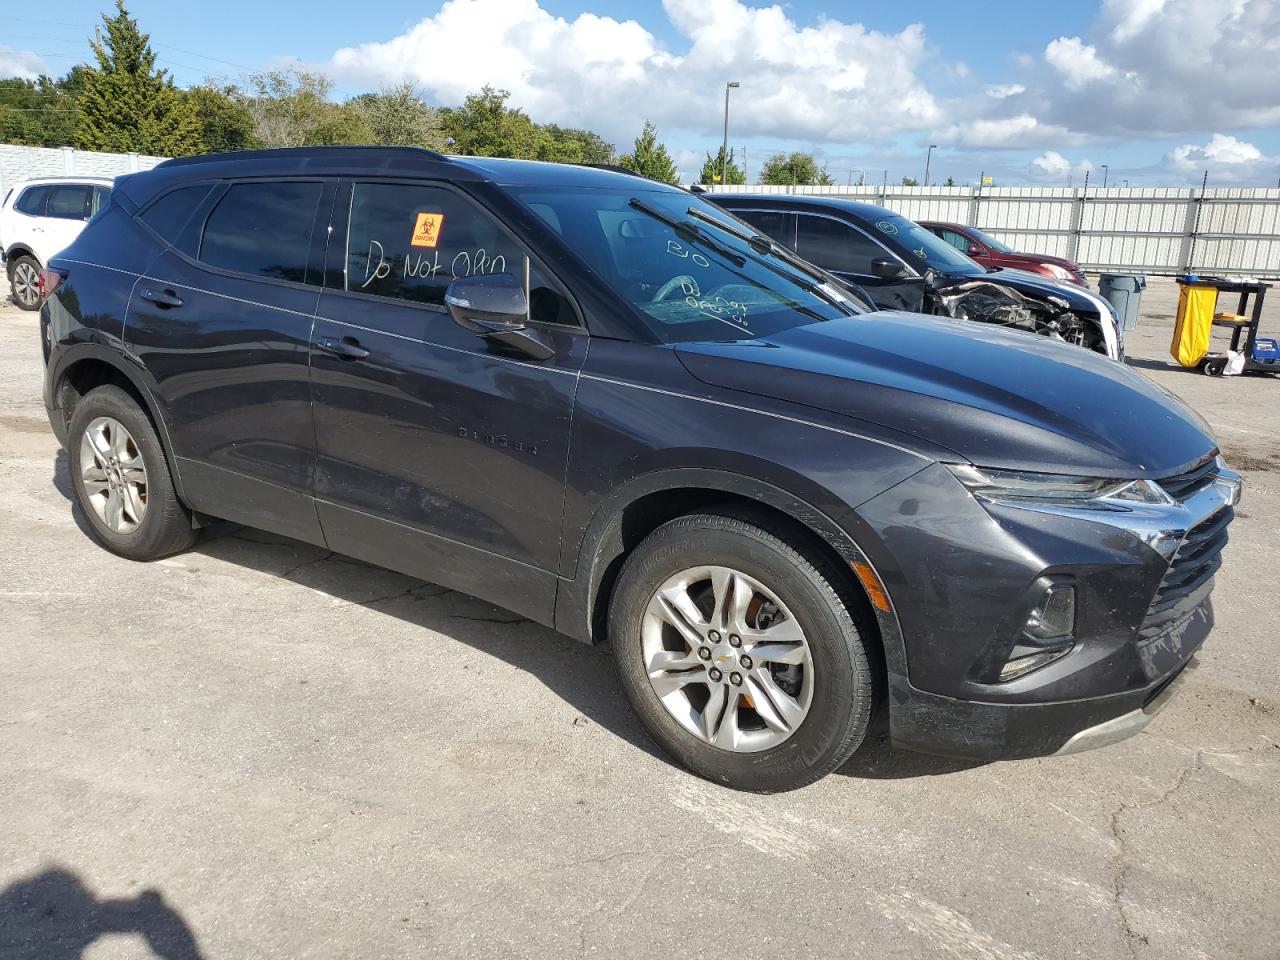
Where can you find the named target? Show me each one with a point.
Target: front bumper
(958, 571)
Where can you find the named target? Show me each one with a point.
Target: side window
(772, 224)
(833, 245)
(170, 213)
(262, 229)
(32, 201)
(101, 197)
(547, 302)
(408, 241)
(957, 240)
(68, 201)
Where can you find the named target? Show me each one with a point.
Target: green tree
(225, 120)
(794, 168)
(649, 158)
(910, 182)
(38, 113)
(570, 145)
(950, 182)
(484, 126)
(288, 106)
(399, 115)
(713, 169)
(340, 125)
(127, 104)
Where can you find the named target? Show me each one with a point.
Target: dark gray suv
(611, 407)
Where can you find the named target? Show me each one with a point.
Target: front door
(847, 252)
(440, 453)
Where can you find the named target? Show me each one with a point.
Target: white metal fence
(1158, 230)
(23, 163)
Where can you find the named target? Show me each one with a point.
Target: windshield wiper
(764, 245)
(690, 230)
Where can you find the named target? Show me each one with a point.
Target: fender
(20, 250)
(69, 355)
(602, 545)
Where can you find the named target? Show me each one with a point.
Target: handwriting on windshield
(677, 250)
(465, 263)
(715, 308)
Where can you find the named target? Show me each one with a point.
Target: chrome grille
(1189, 579)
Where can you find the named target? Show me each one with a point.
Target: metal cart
(1243, 323)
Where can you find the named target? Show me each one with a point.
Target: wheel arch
(87, 366)
(15, 251)
(640, 506)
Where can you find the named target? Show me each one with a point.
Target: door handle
(348, 348)
(162, 298)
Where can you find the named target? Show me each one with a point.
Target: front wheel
(24, 282)
(738, 653)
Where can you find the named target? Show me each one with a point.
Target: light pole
(927, 157)
(1105, 168)
(724, 149)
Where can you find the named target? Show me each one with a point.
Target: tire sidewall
(840, 706)
(111, 401)
(13, 269)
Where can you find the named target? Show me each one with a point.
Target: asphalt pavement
(259, 749)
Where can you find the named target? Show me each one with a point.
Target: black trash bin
(1124, 292)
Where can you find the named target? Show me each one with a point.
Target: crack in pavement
(1122, 863)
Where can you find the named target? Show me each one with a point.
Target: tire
(1216, 367)
(758, 754)
(24, 278)
(152, 522)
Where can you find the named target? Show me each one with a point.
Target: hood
(998, 398)
(1038, 285)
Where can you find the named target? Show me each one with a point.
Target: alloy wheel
(26, 283)
(113, 474)
(727, 659)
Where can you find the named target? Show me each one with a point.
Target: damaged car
(900, 265)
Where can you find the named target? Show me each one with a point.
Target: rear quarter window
(167, 215)
(31, 202)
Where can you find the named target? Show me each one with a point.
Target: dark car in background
(901, 265)
(991, 253)
(606, 405)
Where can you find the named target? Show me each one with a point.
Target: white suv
(40, 217)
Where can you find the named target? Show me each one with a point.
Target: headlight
(1060, 272)
(1018, 485)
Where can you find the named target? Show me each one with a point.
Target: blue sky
(1025, 92)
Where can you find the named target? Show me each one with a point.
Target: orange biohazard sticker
(426, 231)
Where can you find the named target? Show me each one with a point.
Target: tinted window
(262, 229)
(957, 240)
(772, 224)
(32, 201)
(170, 213)
(688, 278)
(922, 248)
(409, 241)
(834, 245)
(68, 202)
(547, 304)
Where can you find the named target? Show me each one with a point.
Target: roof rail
(614, 168)
(301, 153)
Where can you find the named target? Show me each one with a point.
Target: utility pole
(1105, 169)
(745, 178)
(928, 157)
(724, 149)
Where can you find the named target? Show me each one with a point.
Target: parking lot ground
(257, 749)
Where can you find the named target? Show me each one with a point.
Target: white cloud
(1002, 91)
(1052, 166)
(1077, 62)
(1225, 157)
(832, 81)
(1022, 131)
(22, 64)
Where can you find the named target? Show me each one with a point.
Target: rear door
(440, 453)
(222, 320)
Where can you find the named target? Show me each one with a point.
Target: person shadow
(53, 916)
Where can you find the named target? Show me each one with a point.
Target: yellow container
(1195, 322)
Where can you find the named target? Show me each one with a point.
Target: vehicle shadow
(52, 915)
(582, 676)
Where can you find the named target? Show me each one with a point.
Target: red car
(992, 253)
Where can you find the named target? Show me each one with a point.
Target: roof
(795, 201)
(67, 178)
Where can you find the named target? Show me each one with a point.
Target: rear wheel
(739, 654)
(24, 282)
(122, 479)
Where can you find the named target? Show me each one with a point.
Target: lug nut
(713, 636)
(735, 640)
(704, 653)
(715, 675)
(736, 679)
(746, 662)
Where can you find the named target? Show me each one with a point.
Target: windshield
(991, 242)
(923, 247)
(688, 266)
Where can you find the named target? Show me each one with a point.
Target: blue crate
(1266, 351)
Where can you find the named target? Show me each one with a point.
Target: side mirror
(886, 268)
(495, 306)
(975, 250)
